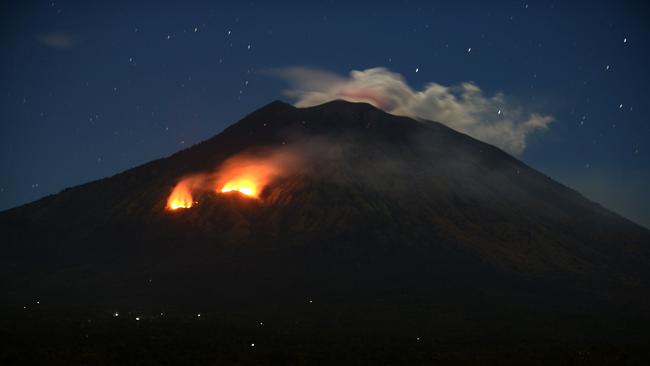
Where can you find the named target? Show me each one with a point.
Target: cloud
(463, 107)
(59, 40)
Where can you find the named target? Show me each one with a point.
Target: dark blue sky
(92, 88)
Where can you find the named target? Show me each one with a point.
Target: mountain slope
(385, 206)
(390, 227)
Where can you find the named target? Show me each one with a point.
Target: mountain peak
(339, 186)
(345, 104)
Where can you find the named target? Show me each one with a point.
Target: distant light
(137, 318)
(116, 314)
(198, 315)
(469, 50)
(252, 344)
(624, 40)
(417, 69)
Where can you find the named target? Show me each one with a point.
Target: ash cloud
(463, 107)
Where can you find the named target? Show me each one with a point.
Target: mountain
(377, 222)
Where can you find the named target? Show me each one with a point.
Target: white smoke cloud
(462, 107)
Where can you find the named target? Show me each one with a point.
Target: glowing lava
(243, 185)
(181, 197)
(248, 174)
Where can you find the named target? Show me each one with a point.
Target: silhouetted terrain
(399, 241)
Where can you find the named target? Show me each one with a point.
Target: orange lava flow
(246, 174)
(245, 186)
(181, 197)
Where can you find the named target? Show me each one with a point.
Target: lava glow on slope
(244, 186)
(181, 197)
(246, 174)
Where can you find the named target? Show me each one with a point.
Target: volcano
(395, 237)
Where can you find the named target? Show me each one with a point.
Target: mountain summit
(370, 215)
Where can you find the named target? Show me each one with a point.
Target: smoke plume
(463, 107)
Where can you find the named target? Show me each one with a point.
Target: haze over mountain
(371, 216)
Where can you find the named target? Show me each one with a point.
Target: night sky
(90, 89)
